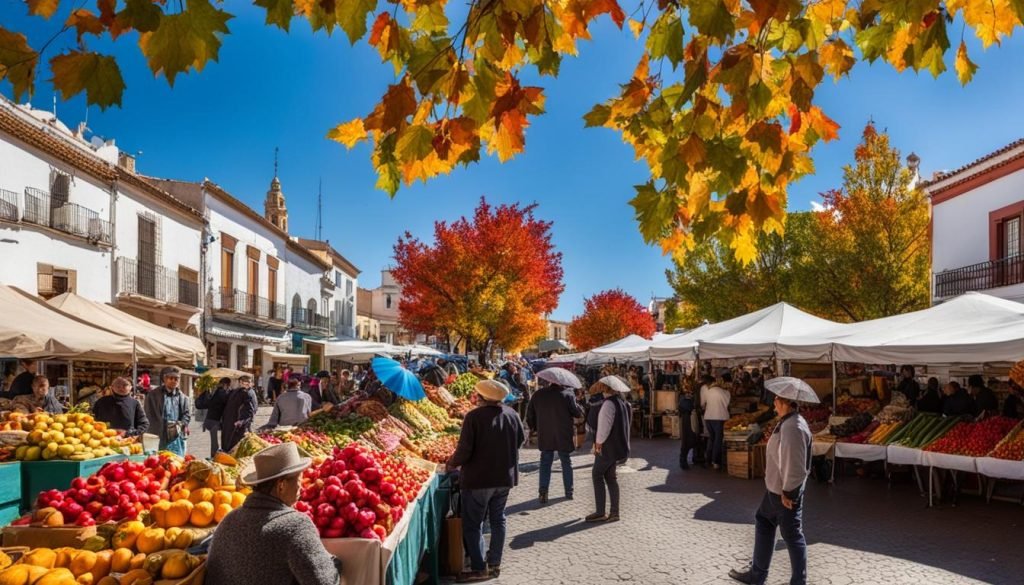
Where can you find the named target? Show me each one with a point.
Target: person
(328, 388)
(985, 401)
(908, 385)
(292, 408)
(274, 385)
(487, 455)
(40, 399)
(687, 437)
(213, 403)
(266, 540)
(594, 409)
(169, 412)
(1013, 407)
(239, 411)
(787, 465)
(551, 412)
(931, 400)
(715, 403)
(347, 384)
(957, 401)
(120, 410)
(611, 445)
(22, 383)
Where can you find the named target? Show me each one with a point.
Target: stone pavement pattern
(691, 527)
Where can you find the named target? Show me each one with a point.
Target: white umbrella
(561, 377)
(616, 383)
(792, 389)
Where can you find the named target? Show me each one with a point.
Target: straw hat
(274, 462)
(491, 390)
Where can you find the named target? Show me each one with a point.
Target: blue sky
(272, 89)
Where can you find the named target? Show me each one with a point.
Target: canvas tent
(280, 357)
(152, 342)
(631, 347)
(31, 328)
(356, 350)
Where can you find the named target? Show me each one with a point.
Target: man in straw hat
(267, 540)
(787, 465)
(488, 455)
(611, 445)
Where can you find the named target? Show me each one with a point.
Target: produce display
(340, 428)
(863, 435)
(438, 450)
(898, 410)
(310, 442)
(853, 425)
(73, 437)
(882, 432)
(973, 439)
(69, 566)
(358, 492)
(850, 406)
(1011, 447)
(815, 414)
(463, 385)
(921, 430)
(404, 410)
(740, 422)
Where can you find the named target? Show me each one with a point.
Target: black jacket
(958, 403)
(488, 450)
(213, 402)
(911, 389)
(986, 401)
(21, 385)
(1013, 407)
(240, 406)
(551, 412)
(616, 446)
(121, 412)
(930, 401)
(593, 409)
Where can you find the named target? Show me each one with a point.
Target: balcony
(8, 205)
(979, 277)
(70, 218)
(155, 282)
(249, 307)
(310, 321)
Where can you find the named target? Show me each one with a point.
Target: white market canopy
(355, 350)
(31, 328)
(152, 342)
(973, 328)
(631, 347)
(280, 357)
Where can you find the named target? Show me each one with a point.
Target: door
(146, 265)
(254, 286)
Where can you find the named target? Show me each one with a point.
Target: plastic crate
(10, 483)
(10, 512)
(39, 476)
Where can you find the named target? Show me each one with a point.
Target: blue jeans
(716, 441)
(475, 504)
(790, 523)
(547, 458)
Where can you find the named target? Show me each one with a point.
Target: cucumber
(921, 438)
(910, 428)
(902, 431)
(939, 432)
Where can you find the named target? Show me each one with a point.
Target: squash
(127, 533)
(56, 577)
(40, 557)
(83, 562)
(151, 540)
(179, 513)
(137, 577)
(120, 561)
(220, 512)
(225, 459)
(21, 574)
(101, 568)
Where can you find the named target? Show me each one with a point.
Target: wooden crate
(746, 464)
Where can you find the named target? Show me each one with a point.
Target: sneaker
(613, 517)
(743, 576)
(473, 576)
(494, 571)
(568, 495)
(595, 517)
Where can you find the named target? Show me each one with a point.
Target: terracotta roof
(40, 135)
(978, 167)
(326, 247)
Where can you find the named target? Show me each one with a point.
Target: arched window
(310, 311)
(387, 301)
(296, 308)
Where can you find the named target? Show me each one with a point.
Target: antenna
(319, 209)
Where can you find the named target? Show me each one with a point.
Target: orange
(221, 497)
(202, 514)
(237, 499)
(151, 540)
(221, 511)
(201, 495)
(121, 560)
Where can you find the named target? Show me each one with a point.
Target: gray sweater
(265, 541)
(788, 457)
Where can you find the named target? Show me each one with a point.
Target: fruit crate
(10, 512)
(10, 483)
(39, 476)
(746, 464)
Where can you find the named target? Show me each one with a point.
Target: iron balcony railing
(310, 320)
(8, 205)
(70, 218)
(156, 282)
(230, 300)
(981, 276)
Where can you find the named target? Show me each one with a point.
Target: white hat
(274, 462)
(491, 390)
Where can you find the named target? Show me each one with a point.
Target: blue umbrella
(397, 379)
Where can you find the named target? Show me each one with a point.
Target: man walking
(686, 434)
(551, 412)
(488, 455)
(239, 412)
(213, 402)
(787, 465)
(714, 400)
(610, 446)
(169, 412)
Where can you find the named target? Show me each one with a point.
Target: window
(52, 281)
(338, 278)
(227, 269)
(60, 188)
(241, 356)
(188, 286)
(1011, 237)
(387, 301)
(272, 285)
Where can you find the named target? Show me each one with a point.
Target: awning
(152, 342)
(31, 328)
(260, 336)
(278, 357)
(552, 345)
(356, 351)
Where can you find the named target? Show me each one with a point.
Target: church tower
(273, 206)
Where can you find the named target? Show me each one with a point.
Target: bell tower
(274, 209)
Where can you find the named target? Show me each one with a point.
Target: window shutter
(72, 281)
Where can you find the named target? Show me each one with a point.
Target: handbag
(452, 547)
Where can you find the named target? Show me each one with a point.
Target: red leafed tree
(607, 316)
(487, 281)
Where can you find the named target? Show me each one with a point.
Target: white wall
(226, 219)
(179, 239)
(302, 277)
(960, 226)
(25, 245)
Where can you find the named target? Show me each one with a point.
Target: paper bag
(452, 552)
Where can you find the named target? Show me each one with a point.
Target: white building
(75, 217)
(384, 309)
(338, 287)
(977, 212)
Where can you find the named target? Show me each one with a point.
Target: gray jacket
(153, 406)
(265, 541)
(788, 457)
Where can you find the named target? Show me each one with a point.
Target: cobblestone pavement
(199, 440)
(691, 527)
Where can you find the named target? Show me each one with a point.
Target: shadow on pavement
(549, 534)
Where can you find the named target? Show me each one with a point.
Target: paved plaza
(691, 527)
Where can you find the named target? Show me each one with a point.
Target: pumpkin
(221, 497)
(120, 561)
(151, 540)
(237, 499)
(203, 514)
(101, 568)
(159, 513)
(220, 512)
(127, 533)
(64, 556)
(179, 513)
(137, 562)
(201, 495)
(21, 574)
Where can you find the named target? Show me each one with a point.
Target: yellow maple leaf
(349, 133)
(991, 19)
(965, 68)
(636, 27)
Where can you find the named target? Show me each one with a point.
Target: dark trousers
(688, 440)
(547, 458)
(604, 474)
(770, 515)
(213, 426)
(475, 504)
(716, 442)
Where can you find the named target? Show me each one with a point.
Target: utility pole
(319, 210)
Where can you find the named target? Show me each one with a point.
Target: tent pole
(831, 358)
